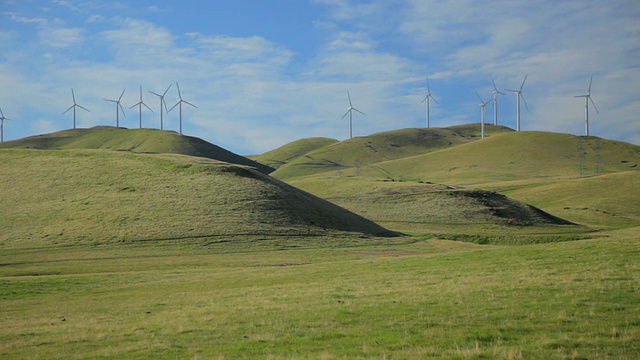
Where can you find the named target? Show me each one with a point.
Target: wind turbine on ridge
(350, 113)
(74, 106)
(483, 104)
(139, 105)
(2, 119)
(518, 96)
(162, 102)
(587, 98)
(118, 107)
(180, 105)
(495, 93)
(426, 99)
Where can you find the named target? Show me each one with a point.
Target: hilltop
(384, 146)
(67, 197)
(286, 153)
(133, 140)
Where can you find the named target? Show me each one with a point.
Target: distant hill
(379, 147)
(284, 154)
(514, 156)
(134, 140)
(67, 197)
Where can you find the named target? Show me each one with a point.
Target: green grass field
(146, 253)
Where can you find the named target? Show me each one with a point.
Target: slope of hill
(96, 196)
(134, 140)
(284, 154)
(515, 156)
(379, 147)
(421, 207)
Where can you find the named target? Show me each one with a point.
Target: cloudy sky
(264, 73)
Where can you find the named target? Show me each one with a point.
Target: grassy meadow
(143, 253)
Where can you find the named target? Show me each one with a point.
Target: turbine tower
(587, 98)
(139, 105)
(162, 102)
(483, 104)
(518, 96)
(426, 99)
(74, 106)
(2, 119)
(118, 108)
(350, 113)
(495, 101)
(180, 105)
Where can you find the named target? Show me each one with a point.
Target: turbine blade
(428, 89)
(174, 106)
(425, 98)
(347, 113)
(188, 103)
(109, 100)
(359, 111)
(145, 105)
(594, 104)
(156, 94)
(123, 113)
(1, 113)
(494, 84)
(165, 92)
(482, 101)
(349, 95)
(134, 105)
(523, 81)
(82, 107)
(70, 107)
(73, 95)
(179, 93)
(434, 99)
(525, 101)
(590, 80)
(120, 98)
(165, 105)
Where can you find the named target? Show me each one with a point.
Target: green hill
(284, 154)
(362, 151)
(67, 197)
(134, 140)
(514, 156)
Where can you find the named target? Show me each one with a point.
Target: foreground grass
(410, 298)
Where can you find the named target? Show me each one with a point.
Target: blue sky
(264, 73)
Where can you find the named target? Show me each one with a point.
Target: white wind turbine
(350, 113)
(118, 107)
(426, 99)
(587, 98)
(74, 106)
(483, 105)
(518, 96)
(179, 104)
(2, 119)
(139, 105)
(495, 101)
(162, 102)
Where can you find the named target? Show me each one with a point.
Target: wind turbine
(587, 98)
(139, 105)
(2, 119)
(483, 104)
(74, 106)
(162, 102)
(518, 96)
(118, 108)
(428, 96)
(350, 113)
(180, 105)
(495, 101)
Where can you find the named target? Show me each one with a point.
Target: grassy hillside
(96, 196)
(384, 146)
(513, 156)
(134, 140)
(284, 154)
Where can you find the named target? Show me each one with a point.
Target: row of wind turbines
(139, 104)
(519, 95)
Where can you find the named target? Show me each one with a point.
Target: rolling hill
(284, 154)
(66, 197)
(134, 140)
(379, 147)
